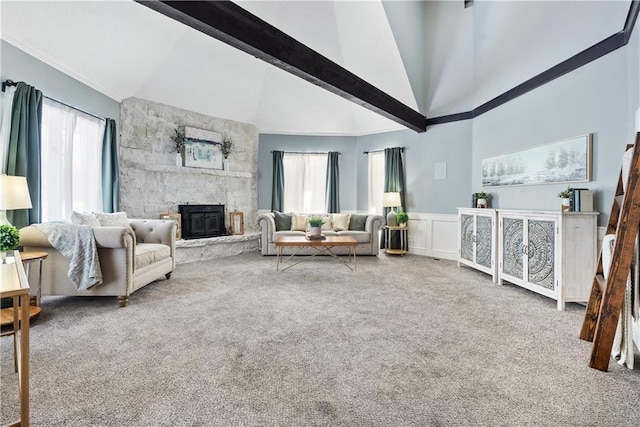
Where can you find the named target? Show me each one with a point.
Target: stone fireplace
(151, 183)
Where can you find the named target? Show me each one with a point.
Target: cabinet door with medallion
(551, 253)
(477, 239)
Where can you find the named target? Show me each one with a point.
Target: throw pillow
(357, 222)
(298, 222)
(340, 221)
(326, 225)
(78, 218)
(283, 221)
(118, 219)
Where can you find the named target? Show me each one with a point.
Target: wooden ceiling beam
(228, 22)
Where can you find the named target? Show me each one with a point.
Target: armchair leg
(168, 275)
(123, 300)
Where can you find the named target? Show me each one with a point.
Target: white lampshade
(14, 194)
(391, 200)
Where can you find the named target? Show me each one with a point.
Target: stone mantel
(150, 181)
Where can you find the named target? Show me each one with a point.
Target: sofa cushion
(118, 219)
(78, 218)
(298, 222)
(360, 236)
(283, 221)
(326, 225)
(148, 253)
(340, 222)
(358, 222)
(277, 234)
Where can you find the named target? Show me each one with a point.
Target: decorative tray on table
(316, 237)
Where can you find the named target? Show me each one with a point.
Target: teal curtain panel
(333, 182)
(24, 150)
(394, 182)
(110, 172)
(277, 185)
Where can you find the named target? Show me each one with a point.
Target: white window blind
(304, 182)
(71, 161)
(376, 181)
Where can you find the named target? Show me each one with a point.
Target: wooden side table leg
(16, 327)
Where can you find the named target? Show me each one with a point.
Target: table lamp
(14, 194)
(391, 200)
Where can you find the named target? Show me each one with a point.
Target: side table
(6, 314)
(403, 240)
(13, 283)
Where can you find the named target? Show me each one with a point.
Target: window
(304, 182)
(71, 157)
(376, 181)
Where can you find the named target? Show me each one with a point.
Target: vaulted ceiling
(124, 49)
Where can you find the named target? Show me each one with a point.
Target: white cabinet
(551, 253)
(477, 239)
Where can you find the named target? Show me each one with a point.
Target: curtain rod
(9, 82)
(308, 152)
(74, 108)
(377, 151)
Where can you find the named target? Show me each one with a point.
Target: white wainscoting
(434, 235)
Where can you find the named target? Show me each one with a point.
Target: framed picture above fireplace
(203, 148)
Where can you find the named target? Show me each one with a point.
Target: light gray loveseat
(128, 261)
(368, 240)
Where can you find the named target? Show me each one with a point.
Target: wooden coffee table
(321, 246)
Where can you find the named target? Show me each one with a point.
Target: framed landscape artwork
(203, 148)
(562, 161)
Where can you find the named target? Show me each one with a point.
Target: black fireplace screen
(200, 221)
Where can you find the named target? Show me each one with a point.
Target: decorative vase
(178, 159)
(566, 203)
(392, 218)
(315, 231)
(403, 225)
(481, 203)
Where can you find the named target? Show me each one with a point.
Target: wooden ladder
(607, 295)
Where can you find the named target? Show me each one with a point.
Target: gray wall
(20, 66)
(449, 143)
(346, 145)
(593, 99)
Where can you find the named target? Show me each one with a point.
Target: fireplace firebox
(200, 221)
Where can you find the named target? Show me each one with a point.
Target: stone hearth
(216, 247)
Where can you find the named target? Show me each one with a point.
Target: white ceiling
(124, 49)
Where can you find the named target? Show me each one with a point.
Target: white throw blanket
(77, 244)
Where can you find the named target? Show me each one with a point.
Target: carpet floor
(402, 341)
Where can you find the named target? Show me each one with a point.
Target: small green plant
(485, 196)
(179, 138)
(227, 146)
(316, 221)
(402, 217)
(9, 238)
(564, 194)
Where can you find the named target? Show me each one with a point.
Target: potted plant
(315, 225)
(482, 200)
(227, 147)
(179, 139)
(9, 240)
(402, 219)
(565, 195)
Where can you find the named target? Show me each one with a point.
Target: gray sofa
(130, 258)
(368, 240)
